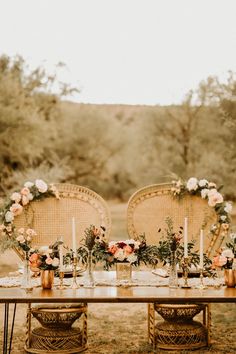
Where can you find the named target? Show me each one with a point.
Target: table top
(120, 294)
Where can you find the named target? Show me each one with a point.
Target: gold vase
(230, 278)
(47, 279)
(123, 271)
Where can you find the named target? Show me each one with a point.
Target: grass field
(122, 328)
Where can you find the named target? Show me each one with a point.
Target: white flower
(204, 193)
(28, 184)
(9, 217)
(223, 217)
(214, 198)
(203, 182)
(192, 184)
(132, 258)
(44, 250)
(55, 262)
(119, 255)
(16, 197)
(228, 207)
(233, 236)
(41, 185)
(227, 253)
(211, 185)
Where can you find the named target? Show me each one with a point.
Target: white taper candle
(61, 255)
(73, 237)
(201, 250)
(185, 237)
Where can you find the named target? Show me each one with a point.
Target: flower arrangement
(15, 205)
(44, 258)
(109, 253)
(172, 243)
(226, 256)
(24, 239)
(206, 190)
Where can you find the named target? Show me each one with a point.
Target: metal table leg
(5, 332)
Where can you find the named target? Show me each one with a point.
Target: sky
(124, 51)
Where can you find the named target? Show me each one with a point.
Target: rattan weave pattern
(52, 218)
(149, 207)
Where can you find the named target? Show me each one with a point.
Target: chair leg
(28, 327)
(208, 323)
(85, 329)
(151, 324)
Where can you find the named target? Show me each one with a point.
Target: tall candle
(73, 237)
(201, 250)
(61, 255)
(185, 237)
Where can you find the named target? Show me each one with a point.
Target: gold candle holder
(61, 278)
(185, 265)
(74, 284)
(201, 285)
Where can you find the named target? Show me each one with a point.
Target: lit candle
(201, 250)
(61, 255)
(73, 237)
(185, 237)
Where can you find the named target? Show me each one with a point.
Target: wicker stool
(179, 330)
(57, 334)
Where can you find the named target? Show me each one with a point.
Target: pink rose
(219, 261)
(21, 231)
(16, 209)
(30, 232)
(214, 198)
(48, 260)
(20, 239)
(25, 200)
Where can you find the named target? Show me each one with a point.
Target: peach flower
(214, 198)
(25, 200)
(219, 261)
(30, 232)
(128, 250)
(16, 209)
(112, 249)
(25, 191)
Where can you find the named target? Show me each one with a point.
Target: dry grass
(122, 328)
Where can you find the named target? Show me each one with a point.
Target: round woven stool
(57, 334)
(178, 330)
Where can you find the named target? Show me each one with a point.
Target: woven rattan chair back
(52, 218)
(149, 207)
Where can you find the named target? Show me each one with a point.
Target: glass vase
(173, 274)
(26, 283)
(89, 281)
(123, 272)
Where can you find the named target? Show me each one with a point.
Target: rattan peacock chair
(146, 213)
(51, 218)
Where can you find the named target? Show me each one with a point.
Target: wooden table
(114, 294)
